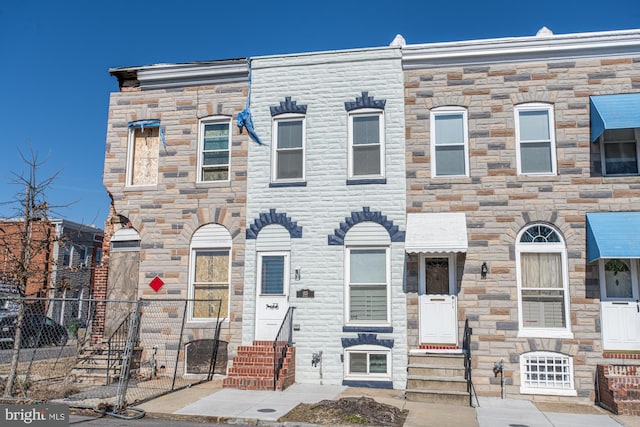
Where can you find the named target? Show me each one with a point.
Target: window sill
(378, 329)
(456, 179)
(544, 333)
(548, 391)
(213, 184)
(547, 177)
(205, 323)
(288, 184)
(368, 383)
(365, 181)
(622, 179)
(141, 187)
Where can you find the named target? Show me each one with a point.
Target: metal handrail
(466, 350)
(284, 338)
(117, 341)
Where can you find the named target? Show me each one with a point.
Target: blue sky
(55, 58)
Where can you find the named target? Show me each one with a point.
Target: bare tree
(26, 241)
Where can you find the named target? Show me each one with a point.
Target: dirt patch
(348, 411)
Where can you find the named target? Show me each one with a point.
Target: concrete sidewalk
(209, 402)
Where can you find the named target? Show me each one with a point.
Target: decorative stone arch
(365, 101)
(538, 215)
(273, 217)
(202, 216)
(448, 100)
(366, 339)
(534, 95)
(288, 106)
(337, 238)
(554, 345)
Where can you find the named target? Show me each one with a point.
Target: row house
(388, 197)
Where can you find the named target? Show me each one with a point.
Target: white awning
(436, 232)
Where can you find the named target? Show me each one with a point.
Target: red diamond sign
(156, 283)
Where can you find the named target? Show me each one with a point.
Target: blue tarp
(153, 123)
(620, 111)
(244, 118)
(613, 235)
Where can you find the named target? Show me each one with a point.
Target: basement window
(543, 372)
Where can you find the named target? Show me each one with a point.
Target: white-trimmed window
(214, 145)
(209, 273)
(620, 151)
(368, 278)
(370, 362)
(366, 143)
(543, 297)
(544, 372)
(123, 240)
(143, 152)
(449, 142)
(288, 148)
(535, 139)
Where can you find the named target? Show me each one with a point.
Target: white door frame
(435, 307)
(271, 308)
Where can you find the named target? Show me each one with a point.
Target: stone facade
(324, 205)
(498, 202)
(167, 214)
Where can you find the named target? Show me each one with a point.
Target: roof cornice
(518, 49)
(159, 76)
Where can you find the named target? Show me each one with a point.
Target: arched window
(210, 273)
(543, 298)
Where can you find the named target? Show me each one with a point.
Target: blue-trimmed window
(367, 362)
(214, 144)
(366, 143)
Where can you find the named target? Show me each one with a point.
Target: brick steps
(253, 368)
(619, 388)
(437, 378)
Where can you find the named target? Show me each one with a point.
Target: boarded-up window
(211, 283)
(144, 156)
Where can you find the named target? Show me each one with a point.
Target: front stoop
(619, 388)
(252, 368)
(437, 378)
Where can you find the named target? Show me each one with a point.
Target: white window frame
(288, 117)
(347, 280)
(365, 112)
(527, 387)
(368, 350)
(213, 120)
(603, 142)
(287, 269)
(633, 265)
(549, 247)
(448, 111)
(131, 159)
(191, 293)
(536, 106)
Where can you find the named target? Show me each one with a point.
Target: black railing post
(284, 336)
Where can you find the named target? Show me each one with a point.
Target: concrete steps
(437, 378)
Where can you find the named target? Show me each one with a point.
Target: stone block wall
(498, 202)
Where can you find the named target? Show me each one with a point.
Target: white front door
(438, 301)
(619, 312)
(272, 294)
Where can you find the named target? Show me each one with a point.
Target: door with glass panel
(619, 307)
(272, 294)
(438, 302)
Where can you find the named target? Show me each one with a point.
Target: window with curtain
(535, 139)
(214, 161)
(368, 285)
(542, 287)
(449, 142)
(288, 155)
(366, 142)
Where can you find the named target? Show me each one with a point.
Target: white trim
(549, 247)
(364, 112)
(536, 106)
(287, 271)
(347, 281)
(448, 111)
(368, 350)
(526, 389)
(130, 160)
(287, 117)
(202, 123)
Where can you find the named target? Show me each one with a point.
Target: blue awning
(621, 111)
(613, 235)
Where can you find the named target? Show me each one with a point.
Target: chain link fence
(107, 354)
